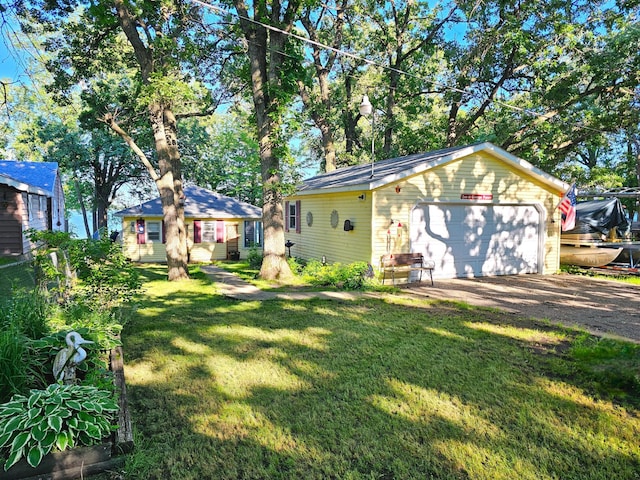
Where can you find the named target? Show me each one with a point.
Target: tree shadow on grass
(360, 389)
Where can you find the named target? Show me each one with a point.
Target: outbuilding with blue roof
(31, 197)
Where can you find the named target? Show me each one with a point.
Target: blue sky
(10, 70)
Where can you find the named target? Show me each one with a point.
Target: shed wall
(322, 238)
(10, 221)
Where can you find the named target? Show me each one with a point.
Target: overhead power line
(373, 63)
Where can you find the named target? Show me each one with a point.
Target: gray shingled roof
(359, 177)
(35, 177)
(199, 203)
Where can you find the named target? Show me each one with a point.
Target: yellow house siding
(480, 173)
(148, 252)
(199, 252)
(382, 218)
(321, 238)
(210, 251)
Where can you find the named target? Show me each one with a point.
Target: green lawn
(20, 276)
(387, 388)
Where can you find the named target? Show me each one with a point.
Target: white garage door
(477, 240)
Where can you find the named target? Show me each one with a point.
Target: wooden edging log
(124, 435)
(80, 461)
(69, 464)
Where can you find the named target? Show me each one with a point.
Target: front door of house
(233, 242)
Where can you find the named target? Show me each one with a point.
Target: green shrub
(254, 258)
(295, 265)
(28, 313)
(107, 278)
(22, 319)
(48, 239)
(349, 277)
(62, 416)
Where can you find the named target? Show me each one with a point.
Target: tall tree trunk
(349, 118)
(163, 124)
(101, 203)
(82, 206)
(321, 116)
(169, 185)
(452, 133)
(323, 123)
(265, 58)
(394, 79)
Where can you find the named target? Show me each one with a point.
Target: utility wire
(301, 38)
(378, 65)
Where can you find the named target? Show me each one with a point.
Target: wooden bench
(405, 262)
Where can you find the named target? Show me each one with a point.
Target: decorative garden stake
(64, 366)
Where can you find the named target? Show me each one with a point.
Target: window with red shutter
(197, 231)
(219, 231)
(140, 231)
(286, 216)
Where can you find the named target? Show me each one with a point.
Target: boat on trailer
(595, 255)
(598, 237)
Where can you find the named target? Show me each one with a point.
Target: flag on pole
(568, 208)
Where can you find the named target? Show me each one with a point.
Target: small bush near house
(352, 276)
(254, 258)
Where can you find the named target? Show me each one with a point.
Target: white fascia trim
(346, 189)
(24, 187)
(517, 162)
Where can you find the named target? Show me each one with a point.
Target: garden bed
(80, 461)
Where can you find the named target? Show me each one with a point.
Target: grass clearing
(16, 276)
(384, 388)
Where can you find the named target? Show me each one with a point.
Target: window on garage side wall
(292, 210)
(252, 233)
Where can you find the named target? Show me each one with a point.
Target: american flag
(568, 208)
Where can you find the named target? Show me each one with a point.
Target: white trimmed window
(209, 232)
(252, 233)
(293, 215)
(154, 231)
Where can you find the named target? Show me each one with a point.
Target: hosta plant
(61, 417)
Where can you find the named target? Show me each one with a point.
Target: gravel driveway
(603, 307)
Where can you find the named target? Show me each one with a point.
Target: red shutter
(164, 233)
(286, 216)
(219, 231)
(197, 231)
(140, 231)
(298, 216)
